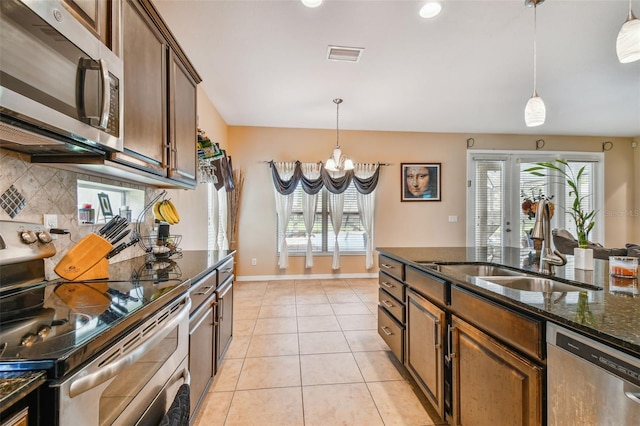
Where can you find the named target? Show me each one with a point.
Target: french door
(498, 186)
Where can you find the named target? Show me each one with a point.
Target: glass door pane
(489, 202)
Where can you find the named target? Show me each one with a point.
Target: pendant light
(628, 42)
(535, 111)
(312, 3)
(337, 161)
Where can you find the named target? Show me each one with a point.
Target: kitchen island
(475, 329)
(614, 302)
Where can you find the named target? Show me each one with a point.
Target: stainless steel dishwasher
(589, 383)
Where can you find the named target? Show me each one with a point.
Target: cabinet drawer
(391, 286)
(225, 271)
(429, 286)
(392, 267)
(392, 333)
(511, 327)
(394, 307)
(202, 290)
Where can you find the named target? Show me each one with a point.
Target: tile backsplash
(49, 190)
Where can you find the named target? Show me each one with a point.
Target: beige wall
(193, 204)
(398, 223)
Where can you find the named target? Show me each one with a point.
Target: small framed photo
(105, 205)
(420, 181)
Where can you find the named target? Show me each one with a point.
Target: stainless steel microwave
(61, 89)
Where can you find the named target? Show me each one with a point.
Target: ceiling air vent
(347, 54)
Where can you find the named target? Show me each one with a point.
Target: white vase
(583, 258)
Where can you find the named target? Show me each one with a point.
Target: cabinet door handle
(221, 304)
(387, 303)
(450, 353)
(436, 333)
(386, 330)
(387, 285)
(385, 266)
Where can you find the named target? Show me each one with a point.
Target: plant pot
(583, 258)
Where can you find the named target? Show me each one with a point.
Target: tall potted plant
(584, 220)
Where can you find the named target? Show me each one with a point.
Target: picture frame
(420, 181)
(105, 205)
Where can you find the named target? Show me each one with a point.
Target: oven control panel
(23, 241)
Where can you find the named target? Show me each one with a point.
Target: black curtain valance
(311, 186)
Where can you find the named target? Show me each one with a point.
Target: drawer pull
(204, 293)
(387, 285)
(385, 266)
(386, 330)
(387, 303)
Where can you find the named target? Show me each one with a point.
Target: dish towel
(178, 414)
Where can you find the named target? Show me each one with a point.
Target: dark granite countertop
(613, 303)
(15, 385)
(179, 270)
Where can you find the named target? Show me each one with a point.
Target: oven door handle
(111, 370)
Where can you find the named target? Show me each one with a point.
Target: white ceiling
(469, 70)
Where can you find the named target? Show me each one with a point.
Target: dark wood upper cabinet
(160, 124)
(96, 16)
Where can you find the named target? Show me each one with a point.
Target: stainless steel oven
(135, 381)
(115, 351)
(60, 87)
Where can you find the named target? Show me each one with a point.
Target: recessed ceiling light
(312, 3)
(430, 9)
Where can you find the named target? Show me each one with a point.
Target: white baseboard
(304, 277)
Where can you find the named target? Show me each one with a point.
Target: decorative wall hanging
(420, 182)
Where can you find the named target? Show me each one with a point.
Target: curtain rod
(380, 164)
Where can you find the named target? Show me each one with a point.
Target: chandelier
(338, 161)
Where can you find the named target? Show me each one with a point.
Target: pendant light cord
(535, 53)
(337, 101)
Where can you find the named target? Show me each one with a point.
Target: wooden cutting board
(83, 256)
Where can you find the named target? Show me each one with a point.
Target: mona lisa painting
(420, 182)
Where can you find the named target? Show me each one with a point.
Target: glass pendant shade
(628, 42)
(312, 3)
(535, 112)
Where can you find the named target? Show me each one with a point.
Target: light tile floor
(308, 353)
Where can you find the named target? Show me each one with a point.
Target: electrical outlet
(51, 221)
(453, 218)
(254, 261)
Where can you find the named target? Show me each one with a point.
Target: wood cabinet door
(224, 297)
(201, 352)
(492, 385)
(145, 92)
(424, 353)
(182, 122)
(95, 15)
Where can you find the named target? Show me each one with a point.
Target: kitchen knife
(116, 250)
(120, 236)
(108, 225)
(116, 229)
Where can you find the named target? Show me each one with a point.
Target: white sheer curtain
(213, 215)
(366, 208)
(223, 240)
(336, 205)
(309, 203)
(284, 205)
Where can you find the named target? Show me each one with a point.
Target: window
(351, 237)
(498, 186)
(119, 197)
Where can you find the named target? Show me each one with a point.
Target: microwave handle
(106, 94)
(111, 370)
(105, 103)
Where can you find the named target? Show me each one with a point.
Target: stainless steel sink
(475, 270)
(527, 283)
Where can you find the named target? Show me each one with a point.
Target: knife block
(86, 260)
